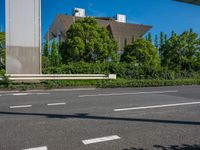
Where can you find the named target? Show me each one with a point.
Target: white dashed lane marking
(21, 106)
(37, 148)
(56, 104)
(23, 94)
(42, 93)
(135, 93)
(101, 139)
(157, 106)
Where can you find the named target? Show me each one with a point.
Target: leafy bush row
(123, 70)
(119, 83)
(146, 83)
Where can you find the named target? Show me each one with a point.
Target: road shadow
(171, 147)
(92, 117)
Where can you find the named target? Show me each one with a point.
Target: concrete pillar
(23, 36)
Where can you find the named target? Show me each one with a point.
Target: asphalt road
(161, 118)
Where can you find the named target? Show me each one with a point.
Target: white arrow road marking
(101, 139)
(37, 148)
(56, 104)
(157, 106)
(135, 93)
(21, 106)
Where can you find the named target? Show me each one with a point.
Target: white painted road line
(24, 94)
(135, 93)
(102, 139)
(37, 148)
(42, 93)
(71, 90)
(22, 106)
(21, 94)
(157, 106)
(56, 104)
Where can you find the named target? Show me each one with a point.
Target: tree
(141, 52)
(46, 49)
(173, 33)
(89, 42)
(2, 37)
(165, 38)
(54, 54)
(45, 57)
(181, 52)
(161, 39)
(133, 38)
(2, 49)
(156, 42)
(149, 37)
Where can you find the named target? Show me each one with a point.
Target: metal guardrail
(32, 77)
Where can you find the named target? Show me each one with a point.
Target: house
(118, 28)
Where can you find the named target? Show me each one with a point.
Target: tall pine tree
(54, 54)
(46, 49)
(149, 37)
(161, 39)
(165, 38)
(156, 41)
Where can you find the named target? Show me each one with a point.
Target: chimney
(120, 18)
(78, 12)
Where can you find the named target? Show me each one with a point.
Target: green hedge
(119, 83)
(123, 70)
(146, 83)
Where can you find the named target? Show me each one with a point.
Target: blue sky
(163, 15)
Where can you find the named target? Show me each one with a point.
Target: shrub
(123, 70)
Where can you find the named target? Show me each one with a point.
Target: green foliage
(146, 83)
(125, 42)
(123, 70)
(46, 57)
(119, 83)
(141, 52)
(156, 42)
(87, 41)
(4, 82)
(181, 52)
(54, 54)
(46, 49)
(133, 38)
(2, 36)
(161, 38)
(45, 62)
(2, 49)
(149, 37)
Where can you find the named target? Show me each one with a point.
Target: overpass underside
(194, 2)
